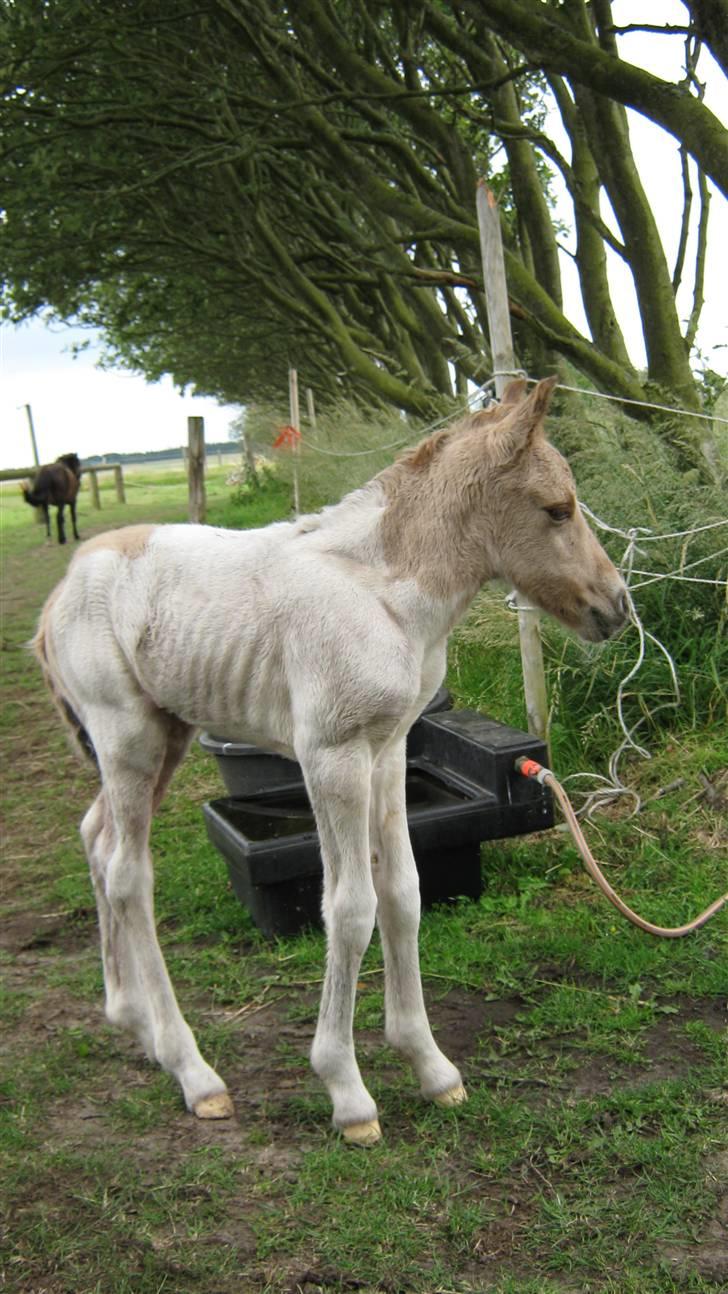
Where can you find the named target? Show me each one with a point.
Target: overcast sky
(78, 407)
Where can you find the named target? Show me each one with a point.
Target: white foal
(322, 640)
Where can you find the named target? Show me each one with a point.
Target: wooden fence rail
(89, 473)
(17, 473)
(93, 484)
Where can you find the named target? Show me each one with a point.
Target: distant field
(169, 464)
(214, 459)
(157, 490)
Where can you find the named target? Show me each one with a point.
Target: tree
(228, 188)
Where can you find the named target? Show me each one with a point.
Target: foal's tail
(43, 652)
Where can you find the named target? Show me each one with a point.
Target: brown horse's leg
(61, 527)
(72, 506)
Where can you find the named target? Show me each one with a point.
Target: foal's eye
(560, 514)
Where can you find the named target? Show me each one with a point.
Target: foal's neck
(436, 531)
(426, 529)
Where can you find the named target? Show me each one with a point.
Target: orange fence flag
(287, 438)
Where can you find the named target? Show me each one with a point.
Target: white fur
(292, 638)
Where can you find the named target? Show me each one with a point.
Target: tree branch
(534, 31)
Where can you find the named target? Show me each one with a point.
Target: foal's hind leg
(398, 917)
(137, 752)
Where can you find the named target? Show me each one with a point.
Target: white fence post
(501, 349)
(295, 422)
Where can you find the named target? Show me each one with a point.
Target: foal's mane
(419, 458)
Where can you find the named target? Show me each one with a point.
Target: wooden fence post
(311, 409)
(119, 482)
(196, 469)
(295, 422)
(248, 458)
(93, 485)
(501, 349)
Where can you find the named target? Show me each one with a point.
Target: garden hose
(530, 768)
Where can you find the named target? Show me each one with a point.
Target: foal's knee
(92, 826)
(350, 919)
(399, 902)
(128, 881)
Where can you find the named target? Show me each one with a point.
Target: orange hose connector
(530, 768)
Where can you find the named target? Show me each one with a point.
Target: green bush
(629, 479)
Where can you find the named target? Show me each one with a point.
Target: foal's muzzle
(606, 622)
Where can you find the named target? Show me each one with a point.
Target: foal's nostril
(601, 621)
(610, 622)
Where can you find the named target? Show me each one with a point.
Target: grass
(591, 1155)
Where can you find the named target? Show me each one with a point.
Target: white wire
(645, 534)
(680, 534)
(687, 579)
(397, 444)
(613, 787)
(620, 399)
(354, 453)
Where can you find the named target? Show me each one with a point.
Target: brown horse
(56, 484)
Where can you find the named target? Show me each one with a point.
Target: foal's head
(541, 542)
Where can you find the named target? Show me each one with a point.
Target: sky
(82, 409)
(78, 407)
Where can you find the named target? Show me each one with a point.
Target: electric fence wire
(612, 787)
(406, 440)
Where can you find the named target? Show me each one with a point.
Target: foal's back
(232, 630)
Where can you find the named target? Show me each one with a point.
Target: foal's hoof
(363, 1134)
(453, 1096)
(218, 1106)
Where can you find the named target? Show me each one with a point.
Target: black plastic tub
(247, 770)
(461, 789)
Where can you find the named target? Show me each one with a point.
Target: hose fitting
(531, 768)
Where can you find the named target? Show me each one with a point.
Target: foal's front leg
(398, 916)
(338, 781)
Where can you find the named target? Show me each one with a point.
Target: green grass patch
(590, 1155)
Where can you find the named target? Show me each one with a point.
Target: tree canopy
(228, 187)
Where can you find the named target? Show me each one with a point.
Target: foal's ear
(542, 393)
(523, 423)
(514, 392)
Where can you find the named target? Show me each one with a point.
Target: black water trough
(461, 789)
